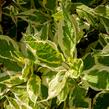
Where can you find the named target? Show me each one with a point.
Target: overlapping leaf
(98, 78)
(56, 85)
(77, 97)
(87, 14)
(13, 103)
(97, 74)
(56, 79)
(51, 7)
(7, 49)
(13, 81)
(101, 101)
(63, 94)
(33, 16)
(34, 88)
(46, 52)
(65, 33)
(27, 70)
(76, 67)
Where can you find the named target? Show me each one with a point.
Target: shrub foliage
(54, 54)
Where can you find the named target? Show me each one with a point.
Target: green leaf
(69, 40)
(56, 85)
(51, 5)
(24, 106)
(33, 16)
(10, 64)
(34, 88)
(104, 21)
(25, 51)
(2, 89)
(31, 41)
(30, 55)
(101, 101)
(13, 103)
(5, 75)
(103, 60)
(48, 54)
(21, 93)
(77, 98)
(63, 94)
(86, 2)
(44, 32)
(105, 51)
(103, 13)
(8, 106)
(44, 91)
(14, 80)
(68, 31)
(88, 61)
(98, 77)
(87, 13)
(76, 67)
(65, 33)
(7, 49)
(27, 70)
(58, 16)
(102, 10)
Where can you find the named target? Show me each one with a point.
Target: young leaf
(76, 66)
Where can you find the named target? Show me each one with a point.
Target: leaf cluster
(54, 54)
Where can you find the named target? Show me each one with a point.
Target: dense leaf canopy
(54, 54)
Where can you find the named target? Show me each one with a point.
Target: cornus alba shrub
(54, 54)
